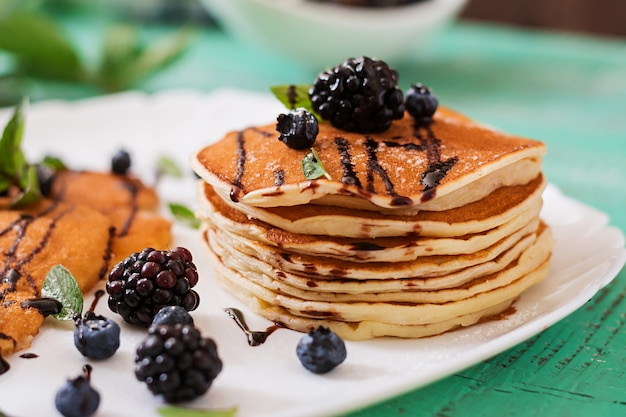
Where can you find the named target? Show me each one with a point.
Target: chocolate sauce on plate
(255, 338)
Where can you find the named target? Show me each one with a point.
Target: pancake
(426, 266)
(35, 240)
(498, 207)
(457, 162)
(402, 248)
(333, 285)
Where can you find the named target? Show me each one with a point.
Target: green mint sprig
(61, 285)
(295, 96)
(184, 215)
(312, 166)
(172, 411)
(18, 178)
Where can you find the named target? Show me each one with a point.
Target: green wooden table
(569, 92)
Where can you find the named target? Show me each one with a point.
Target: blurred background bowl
(320, 35)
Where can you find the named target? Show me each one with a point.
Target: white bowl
(321, 35)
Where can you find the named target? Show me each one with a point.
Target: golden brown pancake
(444, 165)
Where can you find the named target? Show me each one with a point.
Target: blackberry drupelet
(298, 128)
(172, 315)
(77, 398)
(360, 95)
(421, 103)
(143, 283)
(120, 163)
(321, 350)
(176, 362)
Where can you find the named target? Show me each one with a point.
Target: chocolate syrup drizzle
(237, 188)
(430, 179)
(255, 338)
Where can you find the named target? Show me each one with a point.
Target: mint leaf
(30, 188)
(17, 178)
(167, 166)
(61, 285)
(184, 215)
(11, 157)
(172, 411)
(312, 166)
(294, 96)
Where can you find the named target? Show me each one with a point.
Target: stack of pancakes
(418, 230)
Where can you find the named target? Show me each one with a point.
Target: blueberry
(321, 350)
(120, 163)
(298, 128)
(96, 337)
(77, 398)
(172, 315)
(420, 103)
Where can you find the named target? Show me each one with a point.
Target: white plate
(268, 380)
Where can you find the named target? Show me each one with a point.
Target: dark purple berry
(298, 128)
(120, 163)
(360, 95)
(176, 362)
(77, 398)
(421, 103)
(321, 350)
(146, 281)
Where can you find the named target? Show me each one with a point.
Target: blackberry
(360, 95)
(321, 350)
(421, 103)
(172, 315)
(176, 362)
(96, 337)
(143, 283)
(298, 128)
(77, 398)
(120, 163)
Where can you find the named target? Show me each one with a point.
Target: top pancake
(449, 163)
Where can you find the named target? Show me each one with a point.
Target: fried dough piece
(126, 201)
(92, 221)
(33, 241)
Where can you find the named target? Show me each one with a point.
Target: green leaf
(312, 166)
(30, 188)
(121, 47)
(184, 215)
(61, 285)
(172, 411)
(167, 166)
(294, 96)
(154, 57)
(40, 46)
(11, 156)
(54, 163)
